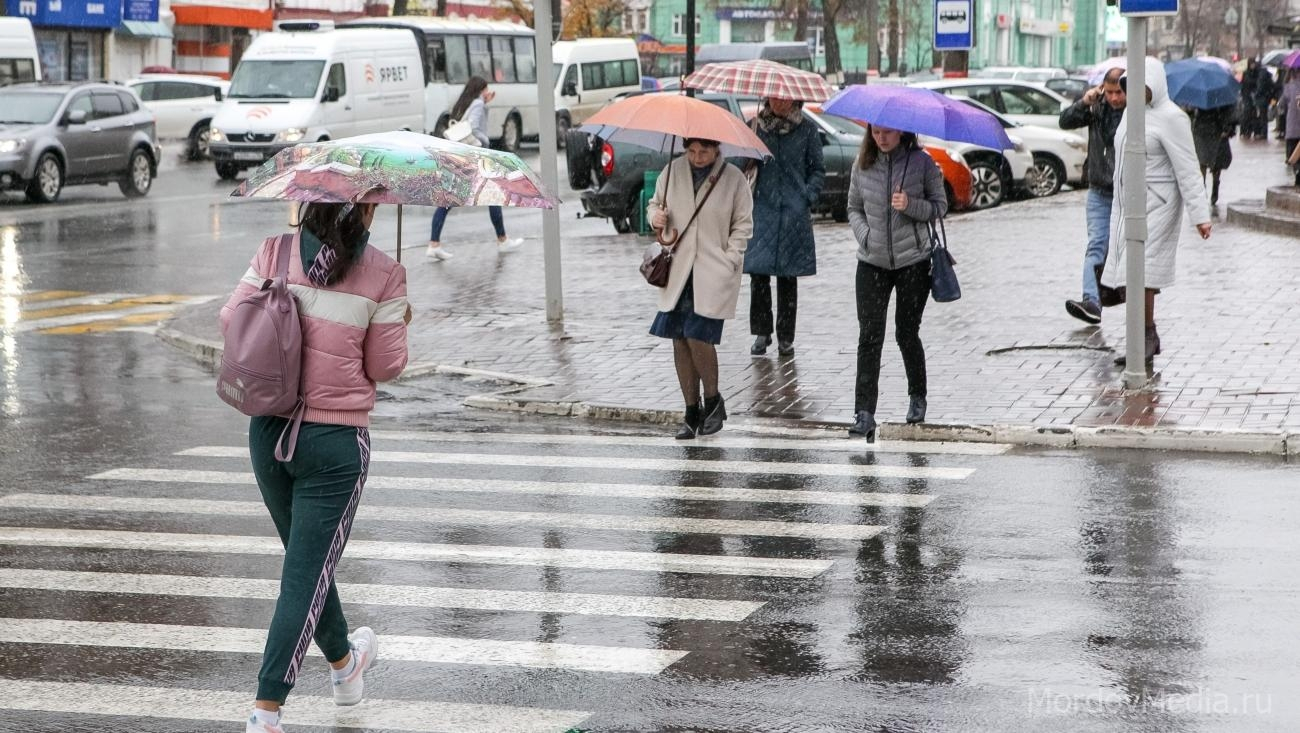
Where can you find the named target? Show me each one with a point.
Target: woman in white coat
(704, 281)
(1173, 184)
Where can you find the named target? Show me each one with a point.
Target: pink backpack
(261, 363)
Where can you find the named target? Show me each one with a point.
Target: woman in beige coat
(704, 281)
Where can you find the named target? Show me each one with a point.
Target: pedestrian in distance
(1290, 101)
(710, 200)
(785, 190)
(354, 313)
(1173, 183)
(1100, 109)
(1211, 130)
(1252, 79)
(895, 190)
(471, 107)
(1266, 94)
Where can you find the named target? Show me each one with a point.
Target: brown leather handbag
(657, 263)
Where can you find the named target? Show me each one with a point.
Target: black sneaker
(1085, 310)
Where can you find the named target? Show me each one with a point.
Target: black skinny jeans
(760, 306)
(873, 287)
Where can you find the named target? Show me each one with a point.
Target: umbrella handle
(667, 237)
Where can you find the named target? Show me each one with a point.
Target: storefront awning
(237, 17)
(144, 29)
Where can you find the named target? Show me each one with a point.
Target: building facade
(1060, 33)
(80, 40)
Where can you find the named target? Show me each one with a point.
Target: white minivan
(308, 82)
(588, 74)
(19, 61)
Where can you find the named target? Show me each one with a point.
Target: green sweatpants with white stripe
(312, 500)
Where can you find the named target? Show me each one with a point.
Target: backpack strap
(284, 450)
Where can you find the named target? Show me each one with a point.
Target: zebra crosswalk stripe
(419, 649)
(384, 595)
(81, 698)
(548, 488)
(651, 562)
(825, 441)
(629, 463)
(474, 517)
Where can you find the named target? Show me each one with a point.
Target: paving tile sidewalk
(1005, 354)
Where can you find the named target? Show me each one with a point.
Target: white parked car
(1026, 103)
(1037, 75)
(1058, 154)
(184, 105)
(994, 174)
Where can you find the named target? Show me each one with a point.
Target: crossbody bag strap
(713, 183)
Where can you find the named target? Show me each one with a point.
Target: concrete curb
(511, 399)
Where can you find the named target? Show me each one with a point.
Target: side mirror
(77, 117)
(216, 93)
(826, 138)
(331, 95)
(570, 90)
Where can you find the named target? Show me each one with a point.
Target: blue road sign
(1148, 7)
(954, 25)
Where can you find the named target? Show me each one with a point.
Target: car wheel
(441, 126)
(47, 181)
(562, 127)
(987, 185)
(139, 175)
(1049, 174)
(510, 135)
(227, 171)
(198, 149)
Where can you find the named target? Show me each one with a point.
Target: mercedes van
(19, 61)
(308, 82)
(589, 73)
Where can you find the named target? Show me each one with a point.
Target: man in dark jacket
(1100, 110)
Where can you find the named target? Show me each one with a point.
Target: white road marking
(821, 440)
(384, 595)
(80, 698)
(651, 562)
(472, 517)
(549, 488)
(634, 464)
(420, 649)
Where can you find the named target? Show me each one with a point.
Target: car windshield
(290, 79)
(28, 108)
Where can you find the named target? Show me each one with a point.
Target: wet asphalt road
(1029, 590)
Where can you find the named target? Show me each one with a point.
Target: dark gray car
(52, 135)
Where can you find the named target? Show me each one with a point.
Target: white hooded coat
(1173, 183)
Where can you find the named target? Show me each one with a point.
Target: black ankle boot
(864, 424)
(715, 411)
(916, 410)
(691, 424)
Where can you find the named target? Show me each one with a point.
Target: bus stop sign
(954, 25)
(1148, 7)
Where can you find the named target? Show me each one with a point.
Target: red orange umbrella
(650, 120)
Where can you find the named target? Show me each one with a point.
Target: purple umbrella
(922, 111)
(1292, 60)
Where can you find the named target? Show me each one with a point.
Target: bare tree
(891, 34)
(593, 19)
(1262, 14)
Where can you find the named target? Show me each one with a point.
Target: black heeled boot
(864, 424)
(715, 411)
(691, 424)
(916, 410)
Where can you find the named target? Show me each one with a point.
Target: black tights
(873, 288)
(697, 363)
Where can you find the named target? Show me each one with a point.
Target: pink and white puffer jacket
(353, 332)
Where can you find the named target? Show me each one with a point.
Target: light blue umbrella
(921, 111)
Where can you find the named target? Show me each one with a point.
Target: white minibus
(19, 60)
(589, 73)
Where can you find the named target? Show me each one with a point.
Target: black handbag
(944, 287)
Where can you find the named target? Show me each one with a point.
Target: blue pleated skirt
(683, 322)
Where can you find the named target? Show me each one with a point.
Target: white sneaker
(255, 725)
(437, 253)
(365, 647)
(510, 245)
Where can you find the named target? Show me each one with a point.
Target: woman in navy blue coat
(782, 246)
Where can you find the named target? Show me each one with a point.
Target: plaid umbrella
(760, 78)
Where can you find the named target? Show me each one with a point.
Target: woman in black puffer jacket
(895, 191)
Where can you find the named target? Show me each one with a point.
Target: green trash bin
(643, 200)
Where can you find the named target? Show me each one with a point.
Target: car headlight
(290, 135)
(9, 146)
(215, 135)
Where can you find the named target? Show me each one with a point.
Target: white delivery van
(308, 82)
(19, 60)
(589, 73)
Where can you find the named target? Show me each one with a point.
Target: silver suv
(52, 135)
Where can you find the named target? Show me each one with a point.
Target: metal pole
(550, 164)
(1135, 206)
(690, 41)
(1241, 29)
